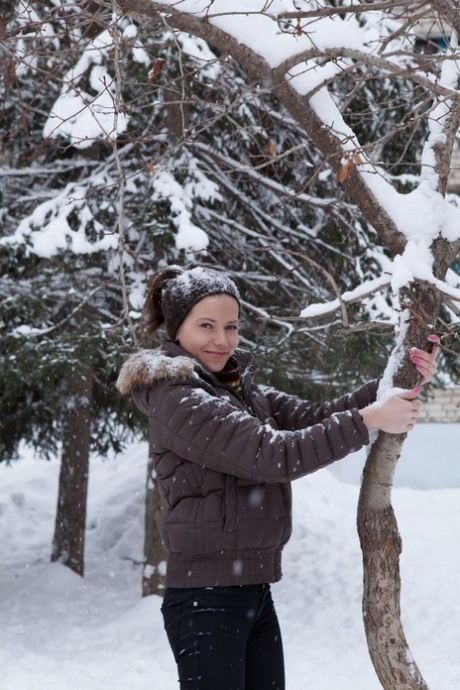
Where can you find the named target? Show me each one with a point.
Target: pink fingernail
(433, 338)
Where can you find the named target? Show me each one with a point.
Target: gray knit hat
(174, 291)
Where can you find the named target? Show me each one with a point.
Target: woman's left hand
(425, 362)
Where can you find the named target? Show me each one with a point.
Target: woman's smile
(210, 330)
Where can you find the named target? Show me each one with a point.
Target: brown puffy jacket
(224, 462)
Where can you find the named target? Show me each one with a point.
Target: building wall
(442, 406)
(453, 184)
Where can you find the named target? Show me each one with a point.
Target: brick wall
(442, 406)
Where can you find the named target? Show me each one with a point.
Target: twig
(45, 331)
(351, 9)
(121, 175)
(318, 266)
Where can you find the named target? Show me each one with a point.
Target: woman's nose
(220, 336)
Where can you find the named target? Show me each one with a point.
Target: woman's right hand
(395, 414)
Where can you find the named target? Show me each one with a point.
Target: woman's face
(210, 330)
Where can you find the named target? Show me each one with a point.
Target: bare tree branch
(119, 223)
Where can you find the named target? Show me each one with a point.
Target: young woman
(225, 452)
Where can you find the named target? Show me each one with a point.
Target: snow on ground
(61, 632)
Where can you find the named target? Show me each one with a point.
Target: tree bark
(69, 533)
(153, 577)
(377, 526)
(381, 546)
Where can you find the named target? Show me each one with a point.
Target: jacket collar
(170, 361)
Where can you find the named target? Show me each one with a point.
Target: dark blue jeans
(225, 638)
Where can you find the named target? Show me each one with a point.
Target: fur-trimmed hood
(146, 367)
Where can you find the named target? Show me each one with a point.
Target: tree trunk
(69, 533)
(176, 108)
(381, 546)
(377, 526)
(153, 577)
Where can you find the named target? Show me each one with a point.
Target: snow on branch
(28, 331)
(413, 266)
(309, 59)
(62, 223)
(85, 109)
(362, 291)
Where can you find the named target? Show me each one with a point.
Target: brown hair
(153, 305)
